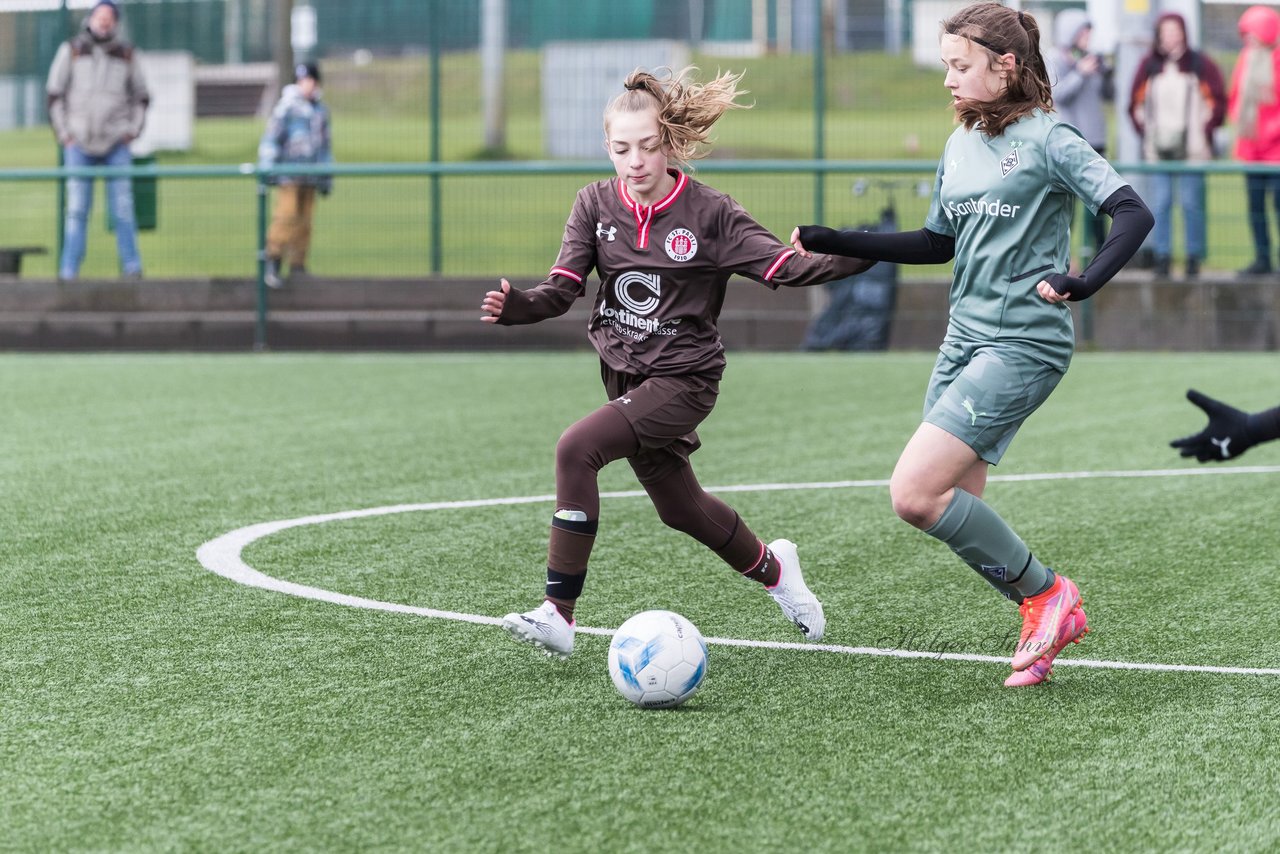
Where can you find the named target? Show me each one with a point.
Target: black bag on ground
(859, 310)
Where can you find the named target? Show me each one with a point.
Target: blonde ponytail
(686, 109)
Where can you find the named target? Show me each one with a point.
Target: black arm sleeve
(903, 247)
(1265, 426)
(1131, 221)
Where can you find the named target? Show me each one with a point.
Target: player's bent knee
(912, 505)
(571, 450)
(677, 519)
(579, 449)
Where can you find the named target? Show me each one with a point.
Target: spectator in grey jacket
(1082, 82)
(97, 104)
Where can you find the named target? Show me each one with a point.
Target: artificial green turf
(152, 705)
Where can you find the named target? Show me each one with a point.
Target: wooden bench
(11, 257)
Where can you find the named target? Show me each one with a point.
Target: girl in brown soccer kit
(663, 246)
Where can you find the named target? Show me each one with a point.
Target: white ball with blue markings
(657, 659)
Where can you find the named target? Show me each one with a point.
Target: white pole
(760, 26)
(493, 43)
(232, 50)
(893, 29)
(786, 38)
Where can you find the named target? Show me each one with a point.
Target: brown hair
(999, 30)
(686, 110)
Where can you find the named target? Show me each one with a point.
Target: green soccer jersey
(1007, 201)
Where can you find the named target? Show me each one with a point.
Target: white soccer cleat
(544, 628)
(793, 596)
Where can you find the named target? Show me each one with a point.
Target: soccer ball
(657, 659)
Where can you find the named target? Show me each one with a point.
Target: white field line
(222, 555)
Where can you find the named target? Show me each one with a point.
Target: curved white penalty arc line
(214, 558)
(222, 556)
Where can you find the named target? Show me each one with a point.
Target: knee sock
(587, 446)
(685, 506)
(569, 548)
(983, 540)
(749, 556)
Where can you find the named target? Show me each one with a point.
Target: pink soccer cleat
(1042, 619)
(1073, 629)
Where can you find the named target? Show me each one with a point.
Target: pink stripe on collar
(682, 181)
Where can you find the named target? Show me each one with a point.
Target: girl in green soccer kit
(1002, 205)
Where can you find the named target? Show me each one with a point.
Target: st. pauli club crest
(681, 245)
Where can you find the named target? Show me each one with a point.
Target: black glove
(1226, 436)
(1064, 284)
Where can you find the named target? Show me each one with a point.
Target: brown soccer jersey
(663, 270)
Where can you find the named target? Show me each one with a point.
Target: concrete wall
(1132, 313)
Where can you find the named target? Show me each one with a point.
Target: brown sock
(564, 606)
(766, 570)
(748, 555)
(568, 550)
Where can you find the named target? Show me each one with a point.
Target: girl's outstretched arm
(902, 247)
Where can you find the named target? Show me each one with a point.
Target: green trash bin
(144, 196)
(144, 199)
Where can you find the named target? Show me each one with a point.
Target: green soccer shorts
(981, 394)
